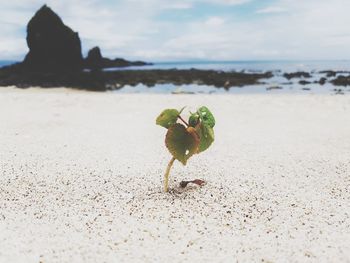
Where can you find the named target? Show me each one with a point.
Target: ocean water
(276, 84)
(252, 66)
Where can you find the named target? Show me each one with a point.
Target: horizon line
(191, 60)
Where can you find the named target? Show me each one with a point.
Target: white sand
(81, 179)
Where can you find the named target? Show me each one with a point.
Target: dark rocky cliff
(53, 46)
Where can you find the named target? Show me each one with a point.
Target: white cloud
(227, 2)
(271, 10)
(180, 5)
(215, 21)
(313, 29)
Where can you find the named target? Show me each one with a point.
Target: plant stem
(183, 120)
(166, 176)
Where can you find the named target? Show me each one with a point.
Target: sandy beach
(82, 173)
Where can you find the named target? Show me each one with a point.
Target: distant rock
(341, 81)
(53, 46)
(339, 92)
(329, 73)
(297, 75)
(304, 82)
(95, 60)
(274, 88)
(120, 62)
(322, 81)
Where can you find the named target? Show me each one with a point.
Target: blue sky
(166, 30)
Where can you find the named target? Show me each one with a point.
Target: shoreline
(218, 79)
(135, 91)
(112, 80)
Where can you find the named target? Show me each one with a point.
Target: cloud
(187, 29)
(228, 2)
(180, 5)
(215, 21)
(271, 10)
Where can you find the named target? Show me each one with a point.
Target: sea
(277, 84)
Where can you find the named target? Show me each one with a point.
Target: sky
(175, 30)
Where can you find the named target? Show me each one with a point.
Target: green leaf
(206, 116)
(182, 143)
(193, 120)
(206, 135)
(167, 118)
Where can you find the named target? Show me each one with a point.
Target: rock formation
(95, 60)
(53, 47)
(300, 74)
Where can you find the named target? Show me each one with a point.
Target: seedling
(185, 139)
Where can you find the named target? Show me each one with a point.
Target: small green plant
(187, 138)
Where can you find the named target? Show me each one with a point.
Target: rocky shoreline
(113, 80)
(99, 80)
